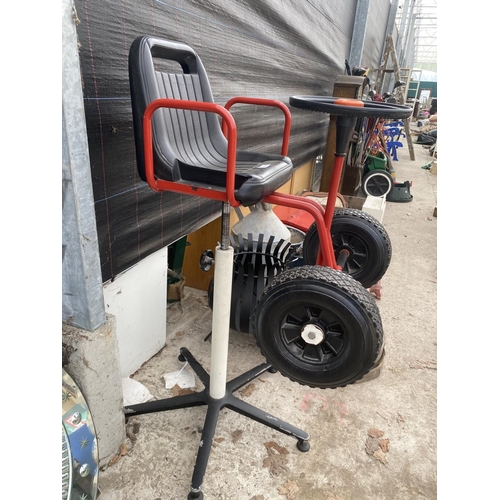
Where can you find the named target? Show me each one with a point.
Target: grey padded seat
(189, 146)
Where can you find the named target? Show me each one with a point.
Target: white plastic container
(375, 206)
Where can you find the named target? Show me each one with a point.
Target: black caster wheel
(303, 445)
(318, 327)
(272, 370)
(181, 358)
(195, 495)
(378, 183)
(363, 237)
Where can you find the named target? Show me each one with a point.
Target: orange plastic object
(350, 102)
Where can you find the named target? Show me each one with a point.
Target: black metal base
(214, 406)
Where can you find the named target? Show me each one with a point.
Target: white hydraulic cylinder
(221, 313)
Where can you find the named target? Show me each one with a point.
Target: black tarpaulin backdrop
(257, 48)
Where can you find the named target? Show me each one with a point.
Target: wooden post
(345, 86)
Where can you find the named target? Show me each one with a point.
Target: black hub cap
(293, 325)
(358, 253)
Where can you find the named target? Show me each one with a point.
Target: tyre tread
(312, 235)
(354, 212)
(344, 282)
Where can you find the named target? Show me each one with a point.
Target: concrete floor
(374, 440)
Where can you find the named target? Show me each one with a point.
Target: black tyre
(318, 327)
(363, 236)
(378, 182)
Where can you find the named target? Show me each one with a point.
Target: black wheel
(363, 236)
(318, 327)
(377, 182)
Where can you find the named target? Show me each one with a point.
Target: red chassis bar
(265, 102)
(293, 201)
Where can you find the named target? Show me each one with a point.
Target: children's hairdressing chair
(314, 324)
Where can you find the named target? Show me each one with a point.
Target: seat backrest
(178, 135)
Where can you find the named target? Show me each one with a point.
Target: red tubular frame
(326, 255)
(338, 165)
(161, 185)
(266, 102)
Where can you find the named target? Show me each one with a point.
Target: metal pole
(221, 316)
(82, 295)
(358, 32)
(404, 46)
(389, 29)
(391, 21)
(402, 27)
(408, 57)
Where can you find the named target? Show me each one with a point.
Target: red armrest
(266, 102)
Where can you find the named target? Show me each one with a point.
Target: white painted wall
(138, 300)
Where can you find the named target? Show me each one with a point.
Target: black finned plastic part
(255, 265)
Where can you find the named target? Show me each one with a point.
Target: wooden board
(197, 242)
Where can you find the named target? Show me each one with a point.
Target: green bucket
(376, 162)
